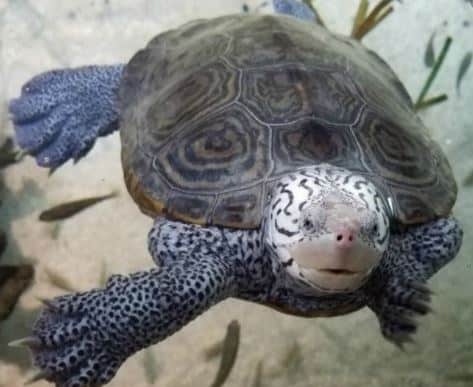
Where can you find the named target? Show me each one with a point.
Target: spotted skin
(60, 113)
(86, 337)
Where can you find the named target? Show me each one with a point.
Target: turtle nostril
(345, 238)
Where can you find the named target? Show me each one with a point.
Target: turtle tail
(60, 113)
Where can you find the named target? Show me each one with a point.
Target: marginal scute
(214, 112)
(235, 208)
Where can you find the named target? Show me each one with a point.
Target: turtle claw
(396, 304)
(48, 304)
(69, 347)
(28, 342)
(401, 341)
(422, 288)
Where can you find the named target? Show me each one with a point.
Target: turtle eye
(374, 229)
(308, 225)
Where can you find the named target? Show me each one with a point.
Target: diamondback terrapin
(283, 164)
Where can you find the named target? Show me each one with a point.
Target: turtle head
(328, 227)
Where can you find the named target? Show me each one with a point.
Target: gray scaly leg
(60, 113)
(82, 339)
(398, 292)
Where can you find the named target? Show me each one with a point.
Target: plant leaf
(463, 69)
(429, 56)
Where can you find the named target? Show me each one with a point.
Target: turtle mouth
(335, 280)
(343, 272)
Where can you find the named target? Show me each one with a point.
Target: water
(343, 351)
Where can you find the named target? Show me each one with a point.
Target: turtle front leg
(60, 113)
(397, 291)
(172, 241)
(82, 339)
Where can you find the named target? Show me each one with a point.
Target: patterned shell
(215, 111)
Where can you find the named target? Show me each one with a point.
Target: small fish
(3, 242)
(13, 282)
(462, 70)
(468, 180)
(150, 366)
(229, 353)
(66, 210)
(257, 381)
(8, 154)
(429, 56)
(103, 275)
(59, 281)
(293, 358)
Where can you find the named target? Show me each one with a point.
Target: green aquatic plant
(360, 16)
(468, 180)
(364, 24)
(463, 69)
(429, 56)
(421, 103)
(310, 4)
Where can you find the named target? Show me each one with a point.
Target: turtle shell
(217, 110)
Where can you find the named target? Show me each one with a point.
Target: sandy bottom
(347, 351)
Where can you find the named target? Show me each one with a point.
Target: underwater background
(275, 349)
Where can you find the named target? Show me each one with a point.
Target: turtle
(282, 164)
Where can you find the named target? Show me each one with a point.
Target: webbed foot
(60, 113)
(69, 345)
(80, 340)
(397, 306)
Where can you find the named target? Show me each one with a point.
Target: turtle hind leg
(60, 113)
(397, 291)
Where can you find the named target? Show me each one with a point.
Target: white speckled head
(328, 226)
